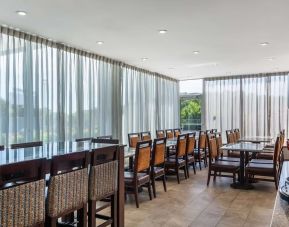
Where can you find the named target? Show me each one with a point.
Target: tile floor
(192, 203)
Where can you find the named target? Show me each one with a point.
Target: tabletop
(257, 139)
(244, 146)
(8, 155)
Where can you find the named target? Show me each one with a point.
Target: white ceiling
(226, 32)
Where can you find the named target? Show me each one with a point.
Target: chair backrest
(143, 157)
(83, 139)
(230, 136)
(22, 193)
(70, 171)
(181, 145)
(159, 150)
(109, 137)
(145, 136)
(177, 132)
(103, 174)
(219, 139)
(108, 141)
(160, 134)
(202, 140)
(277, 150)
(25, 145)
(213, 150)
(169, 133)
(191, 142)
(133, 139)
(237, 134)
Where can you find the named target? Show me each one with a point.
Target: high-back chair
(133, 139)
(190, 148)
(141, 173)
(22, 193)
(237, 134)
(160, 134)
(169, 134)
(221, 156)
(145, 136)
(178, 161)
(26, 145)
(70, 171)
(231, 139)
(177, 132)
(103, 185)
(158, 163)
(265, 170)
(218, 166)
(201, 152)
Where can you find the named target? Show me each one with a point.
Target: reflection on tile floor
(192, 203)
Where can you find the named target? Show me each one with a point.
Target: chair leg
(150, 190)
(187, 168)
(113, 209)
(136, 196)
(51, 222)
(209, 176)
(154, 186)
(91, 213)
(234, 177)
(215, 174)
(178, 176)
(276, 182)
(185, 171)
(246, 176)
(200, 161)
(194, 167)
(164, 183)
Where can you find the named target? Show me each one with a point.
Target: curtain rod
(268, 74)
(62, 46)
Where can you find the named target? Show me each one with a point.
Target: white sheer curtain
(257, 104)
(51, 92)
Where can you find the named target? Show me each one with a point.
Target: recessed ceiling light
(99, 42)
(163, 31)
(196, 52)
(264, 44)
(21, 13)
(144, 59)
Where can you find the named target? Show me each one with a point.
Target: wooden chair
(158, 163)
(237, 134)
(103, 181)
(265, 170)
(218, 166)
(190, 148)
(133, 139)
(219, 139)
(22, 193)
(70, 171)
(141, 173)
(83, 139)
(26, 145)
(169, 133)
(231, 139)
(160, 134)
(200, 151)
(177, 132)
(145, 136)
(178, 161)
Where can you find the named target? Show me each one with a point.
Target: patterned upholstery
(231, 138)
(23, 205)
(143, 159)
(177, 133)
(191, 145)
(202, 141)
(103, 180)
(133, 141)
(160, 135)
(213, 148)
(67, 191)
(182, 147)
(146, 137)
(170, 134)
(160, 153)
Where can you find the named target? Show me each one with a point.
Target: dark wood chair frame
(101, 156)
(63, 164)
(177, 131)
(26, 145)
(130, 135)
(190, 155)
(135, 184)
(161, 173)
(201, 151)
(169, 131)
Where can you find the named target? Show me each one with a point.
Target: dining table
(256, 139)
(49, 150)
(244, 148)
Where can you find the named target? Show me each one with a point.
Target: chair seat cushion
(264, 161)
(128, 177)
(265, 155)
(225, 165)
(259, 168)
(229, 159)
(159, 171)
(191, 158)
(172, 161)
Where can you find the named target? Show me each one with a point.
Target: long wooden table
(10, 156)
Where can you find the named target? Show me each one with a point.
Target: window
(190, 104)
